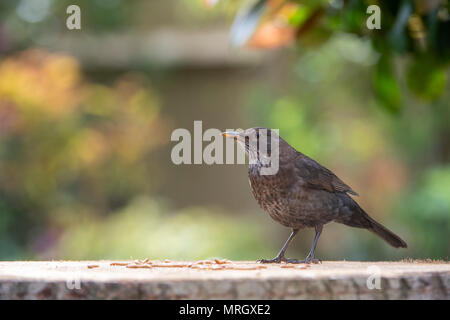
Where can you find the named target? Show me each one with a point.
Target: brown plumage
(303, 193)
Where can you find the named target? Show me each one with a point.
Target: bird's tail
(390, 237)
(360, 219)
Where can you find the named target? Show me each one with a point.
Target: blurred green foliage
(79, 171)
(426, 205)
(144, 227)
(416, 28)
(65, 142)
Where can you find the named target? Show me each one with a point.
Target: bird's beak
(231, 134)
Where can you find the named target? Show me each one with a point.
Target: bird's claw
(311, 260)
(274, 260)
(306, 261)
(314, 261)
(286, 260)
(293, 261)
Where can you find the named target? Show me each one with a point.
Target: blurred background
(86, 117)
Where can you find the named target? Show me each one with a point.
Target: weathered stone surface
(330, 280)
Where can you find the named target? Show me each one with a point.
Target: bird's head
(257, 142)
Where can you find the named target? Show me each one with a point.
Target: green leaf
(386, 86)
(300, 16)
(426, 79)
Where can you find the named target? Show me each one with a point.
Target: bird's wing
(318, 177)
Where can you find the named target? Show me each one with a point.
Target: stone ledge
(329, 280)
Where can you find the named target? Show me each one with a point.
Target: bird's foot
(274, 260)
(310, 260)
(293, 261)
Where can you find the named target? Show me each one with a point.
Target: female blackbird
(302, 193)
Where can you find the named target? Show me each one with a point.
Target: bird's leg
(280, 256)
(310, 256)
